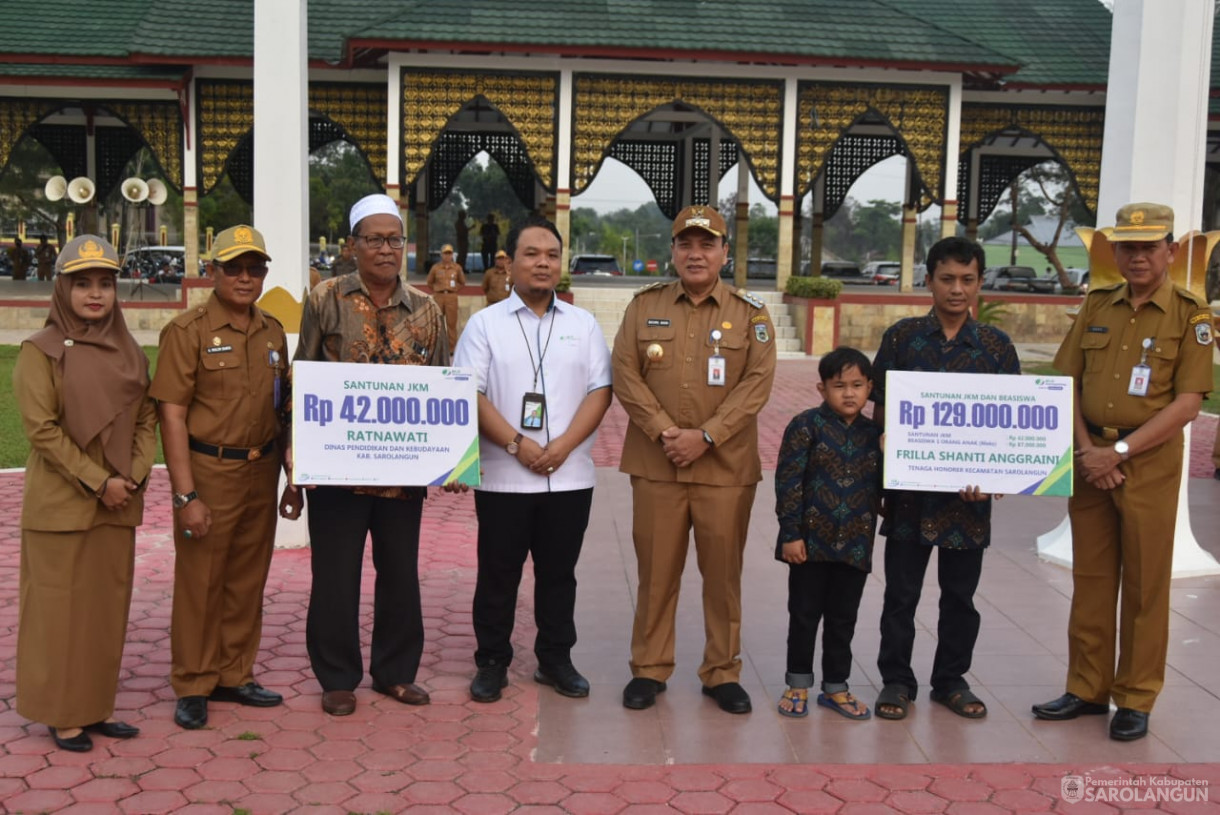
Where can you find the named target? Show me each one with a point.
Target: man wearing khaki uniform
(496, 281)
(219, 383)
(1140, 354)
(693, 364)
(446, 279)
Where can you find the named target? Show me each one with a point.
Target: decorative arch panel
(751, 111)
(159, 125)
(431, 98)
(918, 115)
(453, 150)
(360, 112)
(1073, 134)
(996, 174)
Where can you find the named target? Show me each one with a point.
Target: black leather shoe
(80, 743)
(641, 693)
(115, 730)
(250, 694)
(565, 679)
(731, 697)
(1068, 706)
(1128, 725)
(488, 682)
(191, 712)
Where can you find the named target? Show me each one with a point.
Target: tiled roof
(1057, 42)
(70, 27)
(860, 31)
(120, 72)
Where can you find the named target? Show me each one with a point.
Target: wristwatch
(513, 446)
(1122, 448)
(181, 499)
(707, 437)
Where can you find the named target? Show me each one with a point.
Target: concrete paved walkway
(537, 751)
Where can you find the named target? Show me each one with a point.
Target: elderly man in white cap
(370, 316)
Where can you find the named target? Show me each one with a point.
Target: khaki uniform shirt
(1105, 343)
(446, 278)
(673, 389)
(496, 284)
(230, 380)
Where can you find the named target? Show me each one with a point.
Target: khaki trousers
(1123, 538)
(217, 620)
(665, 512)
(449, 306)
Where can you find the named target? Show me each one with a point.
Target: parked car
(1010, 278)
(595, 264)
(155, 264)
(1079, 279)
(883, 272)
(845, 271)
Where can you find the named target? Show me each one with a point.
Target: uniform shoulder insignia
(189, 316)
(1111, 287)
(749, 298)
(1190, 296)
(650, 287)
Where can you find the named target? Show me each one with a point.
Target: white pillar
(281, 164)
(281, 141)
(1160, 63)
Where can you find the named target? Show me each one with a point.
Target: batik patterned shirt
(919, 344)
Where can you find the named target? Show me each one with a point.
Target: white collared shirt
(497, 344)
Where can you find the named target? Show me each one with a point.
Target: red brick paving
(454, 755)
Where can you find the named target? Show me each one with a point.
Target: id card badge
(1139, 380)
(453, 282)
(715, 371)
(533, 411)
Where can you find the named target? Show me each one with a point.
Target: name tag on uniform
(715, 371)
(220, 349)
(656, 322)
(1139, 380)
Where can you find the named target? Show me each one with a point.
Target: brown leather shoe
(339, 702)
(407, 694)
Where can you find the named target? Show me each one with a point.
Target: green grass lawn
(13, 445)
(1211, 404)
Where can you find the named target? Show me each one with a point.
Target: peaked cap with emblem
(87, 252)
(1142, 221)
(237, 240)
(700, 217)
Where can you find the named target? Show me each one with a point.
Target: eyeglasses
(377, 241)
(236, 269)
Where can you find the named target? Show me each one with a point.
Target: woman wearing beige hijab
(81, 384)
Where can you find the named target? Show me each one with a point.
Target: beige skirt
(74, 598)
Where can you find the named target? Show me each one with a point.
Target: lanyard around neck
(542, 351)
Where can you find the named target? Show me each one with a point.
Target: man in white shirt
(543, 370)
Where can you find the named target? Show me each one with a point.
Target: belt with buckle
(232, 453)
(1109, 433)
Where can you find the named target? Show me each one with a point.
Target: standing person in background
(693, 365)
(497, 282)
(446, 279)
(538, 469)
(490, 235)
(461, 236)
(19, 259)
(370, 317)
(345, 263)
(220, 379)
(81, 385)
(44, 254)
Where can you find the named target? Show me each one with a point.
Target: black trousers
(957, 572)
(339, 522)
(549, 526)
(826, 593)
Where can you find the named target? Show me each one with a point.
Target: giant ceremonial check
(1004, 434)
(383, 425)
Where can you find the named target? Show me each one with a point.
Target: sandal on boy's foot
(846, 705)
(797, 700)
(896, 696)
(958, 701)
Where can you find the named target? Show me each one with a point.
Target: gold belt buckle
(1109, 433)
(254, 455)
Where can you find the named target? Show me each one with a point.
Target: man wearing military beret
(1140, 355)
(693, 364)
(219, 384)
